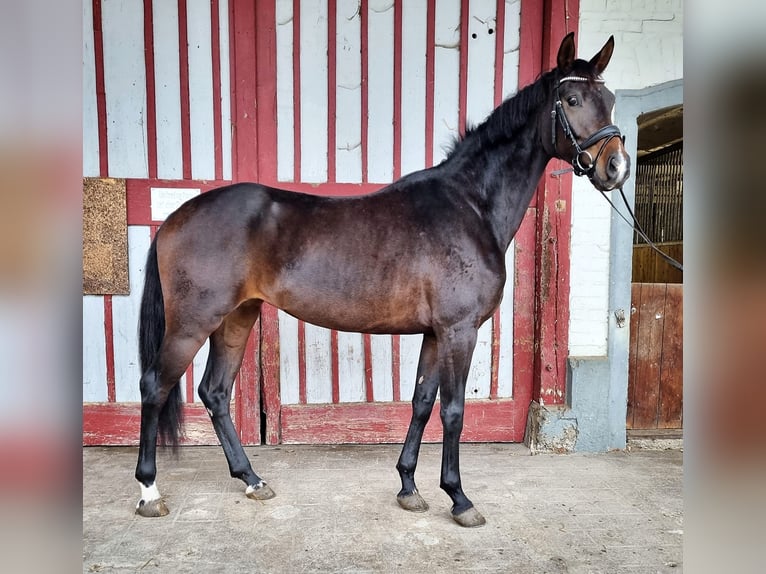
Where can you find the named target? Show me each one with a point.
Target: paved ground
(335, 511)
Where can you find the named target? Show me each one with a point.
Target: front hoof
(260, 491)
(152, 508)
(412, 502)
(469, 518)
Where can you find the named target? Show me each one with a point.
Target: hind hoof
(260, 491)
(469, 518)
(152, 508)
(412, 502)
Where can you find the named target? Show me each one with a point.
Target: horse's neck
(505, 178)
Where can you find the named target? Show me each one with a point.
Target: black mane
(509, 117)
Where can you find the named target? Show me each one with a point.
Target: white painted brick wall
(648, 50)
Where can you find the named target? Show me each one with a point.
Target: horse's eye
(572, 101)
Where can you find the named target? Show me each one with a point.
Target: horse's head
(579, 127)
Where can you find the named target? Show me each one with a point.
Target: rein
(606, 133)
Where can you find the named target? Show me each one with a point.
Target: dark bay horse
(425, 254)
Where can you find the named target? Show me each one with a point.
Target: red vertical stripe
(302, 362)
(463, 81)
(365, 23)
(331, 87)
(430, 48)
(98, 51)
(266, 89)
(494, 372)
(151, 106)
(190, 383)
(215, 41)
(499, 51)
(395, 339)
(297, 90)
(183, 58)
(368, 367)
(335, 374)
(109, 337)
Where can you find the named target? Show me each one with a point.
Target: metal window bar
(659, 195)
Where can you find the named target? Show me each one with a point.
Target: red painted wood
(495, 356)
(499, 51)
(368, 387)
(248, 396)
(332, 26)
(98, 51)
(109, 350)
(269, 361)
(463, 68)
(243, 91)
(670, 412)
(397, 91)
(430, 74)
(549, 21)
(635, 305)
(645, 405)
(266, 89)
(183, 59)
(190, 383)
(120, 424)
(334, 372)
(369, 423)
(297, 90)
(215, 42)
(151, 106)
(524, 309)
(364, 24)
(302, 362)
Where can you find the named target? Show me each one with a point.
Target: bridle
(605, 133)
(581, 153)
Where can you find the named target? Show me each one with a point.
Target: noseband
(581, 149)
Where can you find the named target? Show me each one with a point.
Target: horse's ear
(566, 55)
(601, 59)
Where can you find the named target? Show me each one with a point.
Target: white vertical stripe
(480, 87)
(477, 384)
(413, 86)
(505, 361)
(382, 376)
(201, 90)
(380, 66)
(167, 90)
(318, 369)
(288, 359)
(94, 387)
(226, 132)
(409, 354)
(446, 76)
(348, 78)
(313, 42)
(285, 116)
(90, 155)
(511, 44)
(351, 368)
(125, 308)
(125, 86)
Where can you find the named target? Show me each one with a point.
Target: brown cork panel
(104, 237)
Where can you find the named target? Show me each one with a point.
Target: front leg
(423, 399)
(455, 360)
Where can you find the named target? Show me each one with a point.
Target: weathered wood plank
(368, 423)
(648, 355)
(670, 415)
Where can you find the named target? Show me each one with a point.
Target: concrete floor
(335, 511)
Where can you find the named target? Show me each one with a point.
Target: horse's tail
(151, 330)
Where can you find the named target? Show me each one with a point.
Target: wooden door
(655, 379)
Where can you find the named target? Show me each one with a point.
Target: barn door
(366, 92)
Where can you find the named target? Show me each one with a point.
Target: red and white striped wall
(331, 97)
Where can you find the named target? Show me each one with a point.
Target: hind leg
(156, 385)
(227, 348)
